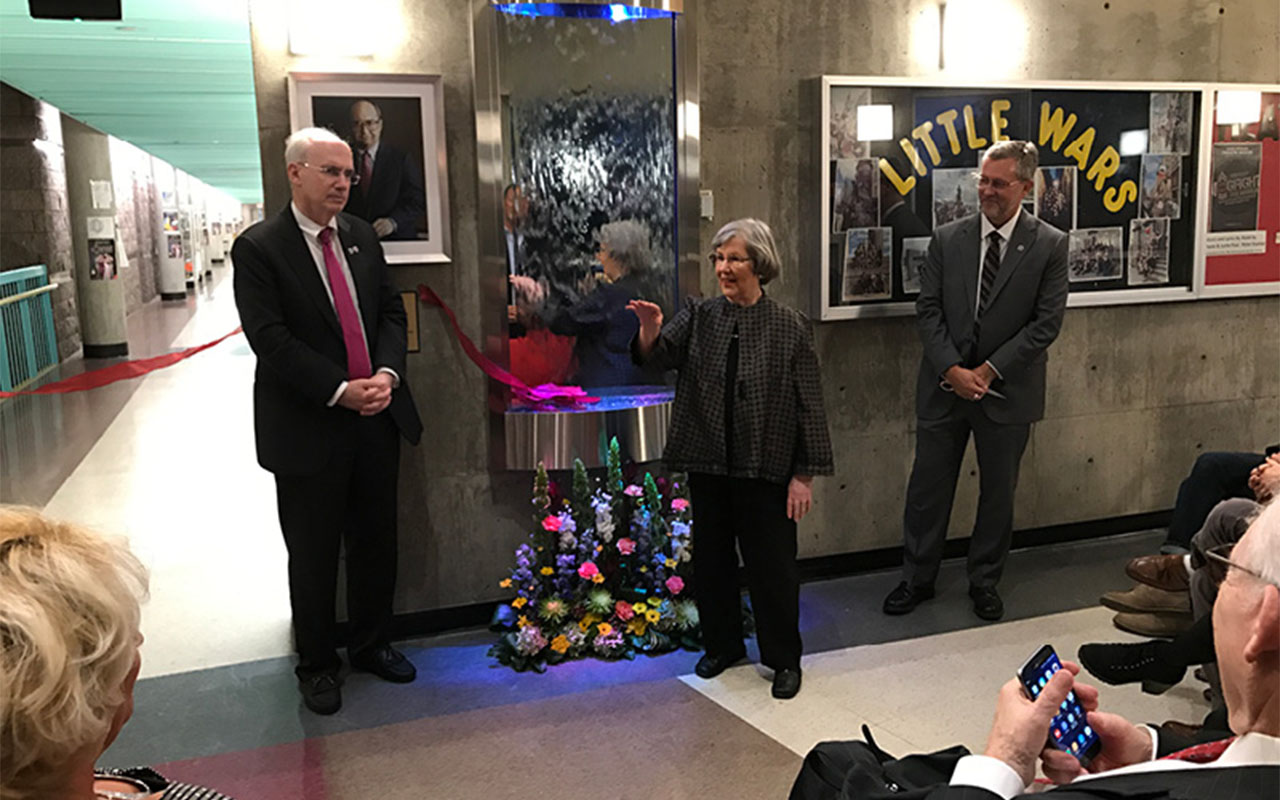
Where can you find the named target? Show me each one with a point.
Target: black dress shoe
(710, 666)
(986, 602)
(906, 597)
(786, 683)
(1138, 662)
(321, 693)
(387, 663)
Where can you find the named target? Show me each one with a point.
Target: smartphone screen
(1070, 730)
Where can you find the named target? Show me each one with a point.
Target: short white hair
(1262, 553)
(68, 625)
(299, 143)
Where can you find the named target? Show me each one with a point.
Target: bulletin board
(1123, 171)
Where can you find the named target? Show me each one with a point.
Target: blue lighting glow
(616, 12)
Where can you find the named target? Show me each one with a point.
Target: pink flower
(588, 569)
(679, 504)
(633, 491)
(626, 546)
(623, 611)
(551, 523)
(675, 584)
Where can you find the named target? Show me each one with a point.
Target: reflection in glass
(589, 159)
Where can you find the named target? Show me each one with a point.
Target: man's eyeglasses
(333, 172)
(998, 184)
(716, 258)
(1219, 561)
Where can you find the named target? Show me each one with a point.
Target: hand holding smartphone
(1070, 730)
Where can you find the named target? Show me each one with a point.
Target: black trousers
(349, 505)
(940, 445)
(751, 514)
(1214, 477)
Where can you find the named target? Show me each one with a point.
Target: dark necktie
(366, 172)
(358, 365)
(990, 266)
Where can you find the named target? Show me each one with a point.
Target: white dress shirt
(311, 235)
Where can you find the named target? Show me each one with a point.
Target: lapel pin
(1021, 247)
(353, 249)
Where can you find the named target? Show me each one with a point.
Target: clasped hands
(368, 396)
(971, 384)
(1264, 480)
(1021, 729)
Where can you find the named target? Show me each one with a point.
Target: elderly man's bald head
(366, 124)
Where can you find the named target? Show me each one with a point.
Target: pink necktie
(366, 171)
(1202, 753)
(358, 365)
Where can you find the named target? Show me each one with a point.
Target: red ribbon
(119, 372)
(541, 396)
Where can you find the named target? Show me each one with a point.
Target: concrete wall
(137, 209)
(1135, 392)
(33, 203)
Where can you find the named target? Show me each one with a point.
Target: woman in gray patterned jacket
(749, 427)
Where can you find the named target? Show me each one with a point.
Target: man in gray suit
(993, 292)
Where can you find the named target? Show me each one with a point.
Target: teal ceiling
(174, 77)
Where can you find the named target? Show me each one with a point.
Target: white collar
(1249, 750)
(1005, 230)
(309, 226)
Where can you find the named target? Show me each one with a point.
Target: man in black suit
(1135, 761)
(330, 406)
(993, 291)
(389, 194)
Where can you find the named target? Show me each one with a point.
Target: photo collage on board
(864, 248)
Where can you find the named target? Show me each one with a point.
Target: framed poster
(1118, 171)
(395, 126)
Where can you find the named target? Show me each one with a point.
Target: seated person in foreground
(69, 622)
(1134, 761)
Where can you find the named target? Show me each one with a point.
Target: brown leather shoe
(1148, 599)
(1162, 572)
(1162, 626)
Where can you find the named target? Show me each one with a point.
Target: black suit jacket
(294, 331)
(395, 192)
(1023, 316)
(1197, 783)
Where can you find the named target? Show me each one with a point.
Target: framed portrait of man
(395, 126)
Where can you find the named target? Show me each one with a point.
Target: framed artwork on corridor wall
(395, 126)
(1124, 171)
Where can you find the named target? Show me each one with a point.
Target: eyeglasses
(366, 123)
(336, 172)
(1219, 561)
(998, 184)
(716, 258)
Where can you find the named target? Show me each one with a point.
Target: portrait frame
(417, 102)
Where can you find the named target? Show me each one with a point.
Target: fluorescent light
(1239, 107)
(334, 28)
(875, 123)
(1133, 143)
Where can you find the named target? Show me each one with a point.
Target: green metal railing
(28, 344)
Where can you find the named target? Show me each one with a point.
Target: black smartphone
(1070, 730)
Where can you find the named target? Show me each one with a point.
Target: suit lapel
(298, 257)
(361, 275)
(967, 246)
(1024, 234)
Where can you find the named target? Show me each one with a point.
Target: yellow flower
(519, 602)
(637, 626)
(670, 563)
(599, 548)
(560, 643)
(652, 615)
(587, 621)
(605, 629)
(505, 583)
(644, 569)
(597, 578)
(539, 549)
(546, 570)
(523, 621)
(639, 608)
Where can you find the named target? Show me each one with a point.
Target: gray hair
(299, 143)
(1262, 553)
(758, 238)
(1028, 158)
(627, 242)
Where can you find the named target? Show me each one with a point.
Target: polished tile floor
(168, 461)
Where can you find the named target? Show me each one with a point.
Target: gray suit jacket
(1022, 318)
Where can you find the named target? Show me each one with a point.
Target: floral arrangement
(604, 574)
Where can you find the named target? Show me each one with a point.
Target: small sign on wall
(410, 300)
(102, 259)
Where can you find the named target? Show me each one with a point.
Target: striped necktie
(990, 266)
